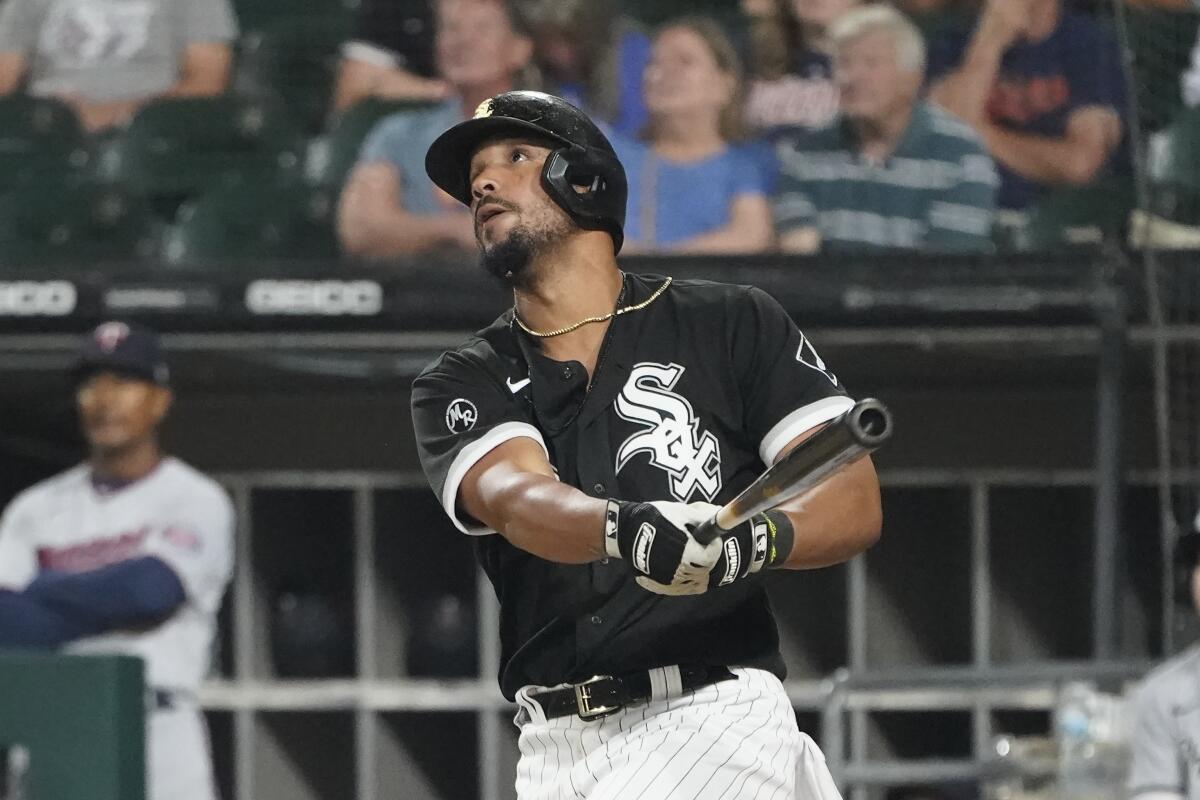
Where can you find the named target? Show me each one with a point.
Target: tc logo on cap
(110, 335)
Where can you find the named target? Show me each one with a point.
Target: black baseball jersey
(692, 396)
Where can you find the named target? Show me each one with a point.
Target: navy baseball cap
(124, 348)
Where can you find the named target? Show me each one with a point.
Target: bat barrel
(857, 432)
(869, 423)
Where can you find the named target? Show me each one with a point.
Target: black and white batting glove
(656, 539)
(762, 542)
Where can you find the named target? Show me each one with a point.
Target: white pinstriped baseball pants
(733, 740)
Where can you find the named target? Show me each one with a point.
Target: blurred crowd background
(207, 131)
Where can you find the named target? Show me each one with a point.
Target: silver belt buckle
(583, 700)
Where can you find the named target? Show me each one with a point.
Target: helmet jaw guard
(566, 169)
(581, 157)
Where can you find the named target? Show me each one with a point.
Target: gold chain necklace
(614, 313)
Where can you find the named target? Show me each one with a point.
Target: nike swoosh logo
(518, 386)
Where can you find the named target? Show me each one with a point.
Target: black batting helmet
(1187, 557)
(585, 158)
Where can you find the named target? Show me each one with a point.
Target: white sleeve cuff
(470, 455)
(799, 421)
(1150, 793)
(370, 54)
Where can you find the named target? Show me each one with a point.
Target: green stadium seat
(332, 156)
(656, 12)
(1173, 166)
(1080, 217)
(252, 222)
(260, 15)
(294, 63)
(39, 138)
(1161, 44)
(74, 222)
(180, 148)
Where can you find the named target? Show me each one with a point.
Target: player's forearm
(841, 518)
(137, 593)
(28, 624)
(547, 518)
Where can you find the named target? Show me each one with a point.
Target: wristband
(774, 536)
(610, 529)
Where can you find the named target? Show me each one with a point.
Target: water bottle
(1091, 757)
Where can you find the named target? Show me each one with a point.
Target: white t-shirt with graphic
(109, 49)
(175, 513)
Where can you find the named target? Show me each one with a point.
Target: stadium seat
(254, 222)
(1161, 44)
(1080, 217)
(74, 222)
(39, 138)
(179, 148)
(261, 15)
(656, 12)
(1173, 165)
(332, 156)
(294, 63)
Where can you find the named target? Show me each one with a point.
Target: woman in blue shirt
(694, 186)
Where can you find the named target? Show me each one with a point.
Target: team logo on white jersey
(461, 416)
(691, 457)
(806, 354)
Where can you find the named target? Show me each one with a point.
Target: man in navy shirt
(1044, 88)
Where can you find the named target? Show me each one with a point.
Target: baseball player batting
(586, 439)
(127, 553)
(1165, 738)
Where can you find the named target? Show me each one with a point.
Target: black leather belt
(602, 695)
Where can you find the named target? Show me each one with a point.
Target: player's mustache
(494, 200)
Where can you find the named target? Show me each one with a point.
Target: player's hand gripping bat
(857, 432)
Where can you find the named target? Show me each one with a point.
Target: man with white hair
(890, 172)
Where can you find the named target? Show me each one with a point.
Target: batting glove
(656, 539)
(762, 542)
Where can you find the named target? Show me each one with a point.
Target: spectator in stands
(791, 76)
(389, 206)
(391, 55)
(1043, 86)
(693, 186)
(593, 57)
(891, 172)
(108, 59)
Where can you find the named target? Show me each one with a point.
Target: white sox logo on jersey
(691, 457)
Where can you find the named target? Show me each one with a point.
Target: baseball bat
(858, 431)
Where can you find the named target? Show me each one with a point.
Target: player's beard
(511, 260)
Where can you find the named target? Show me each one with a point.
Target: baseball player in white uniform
(127, 553)
(1165, 738)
